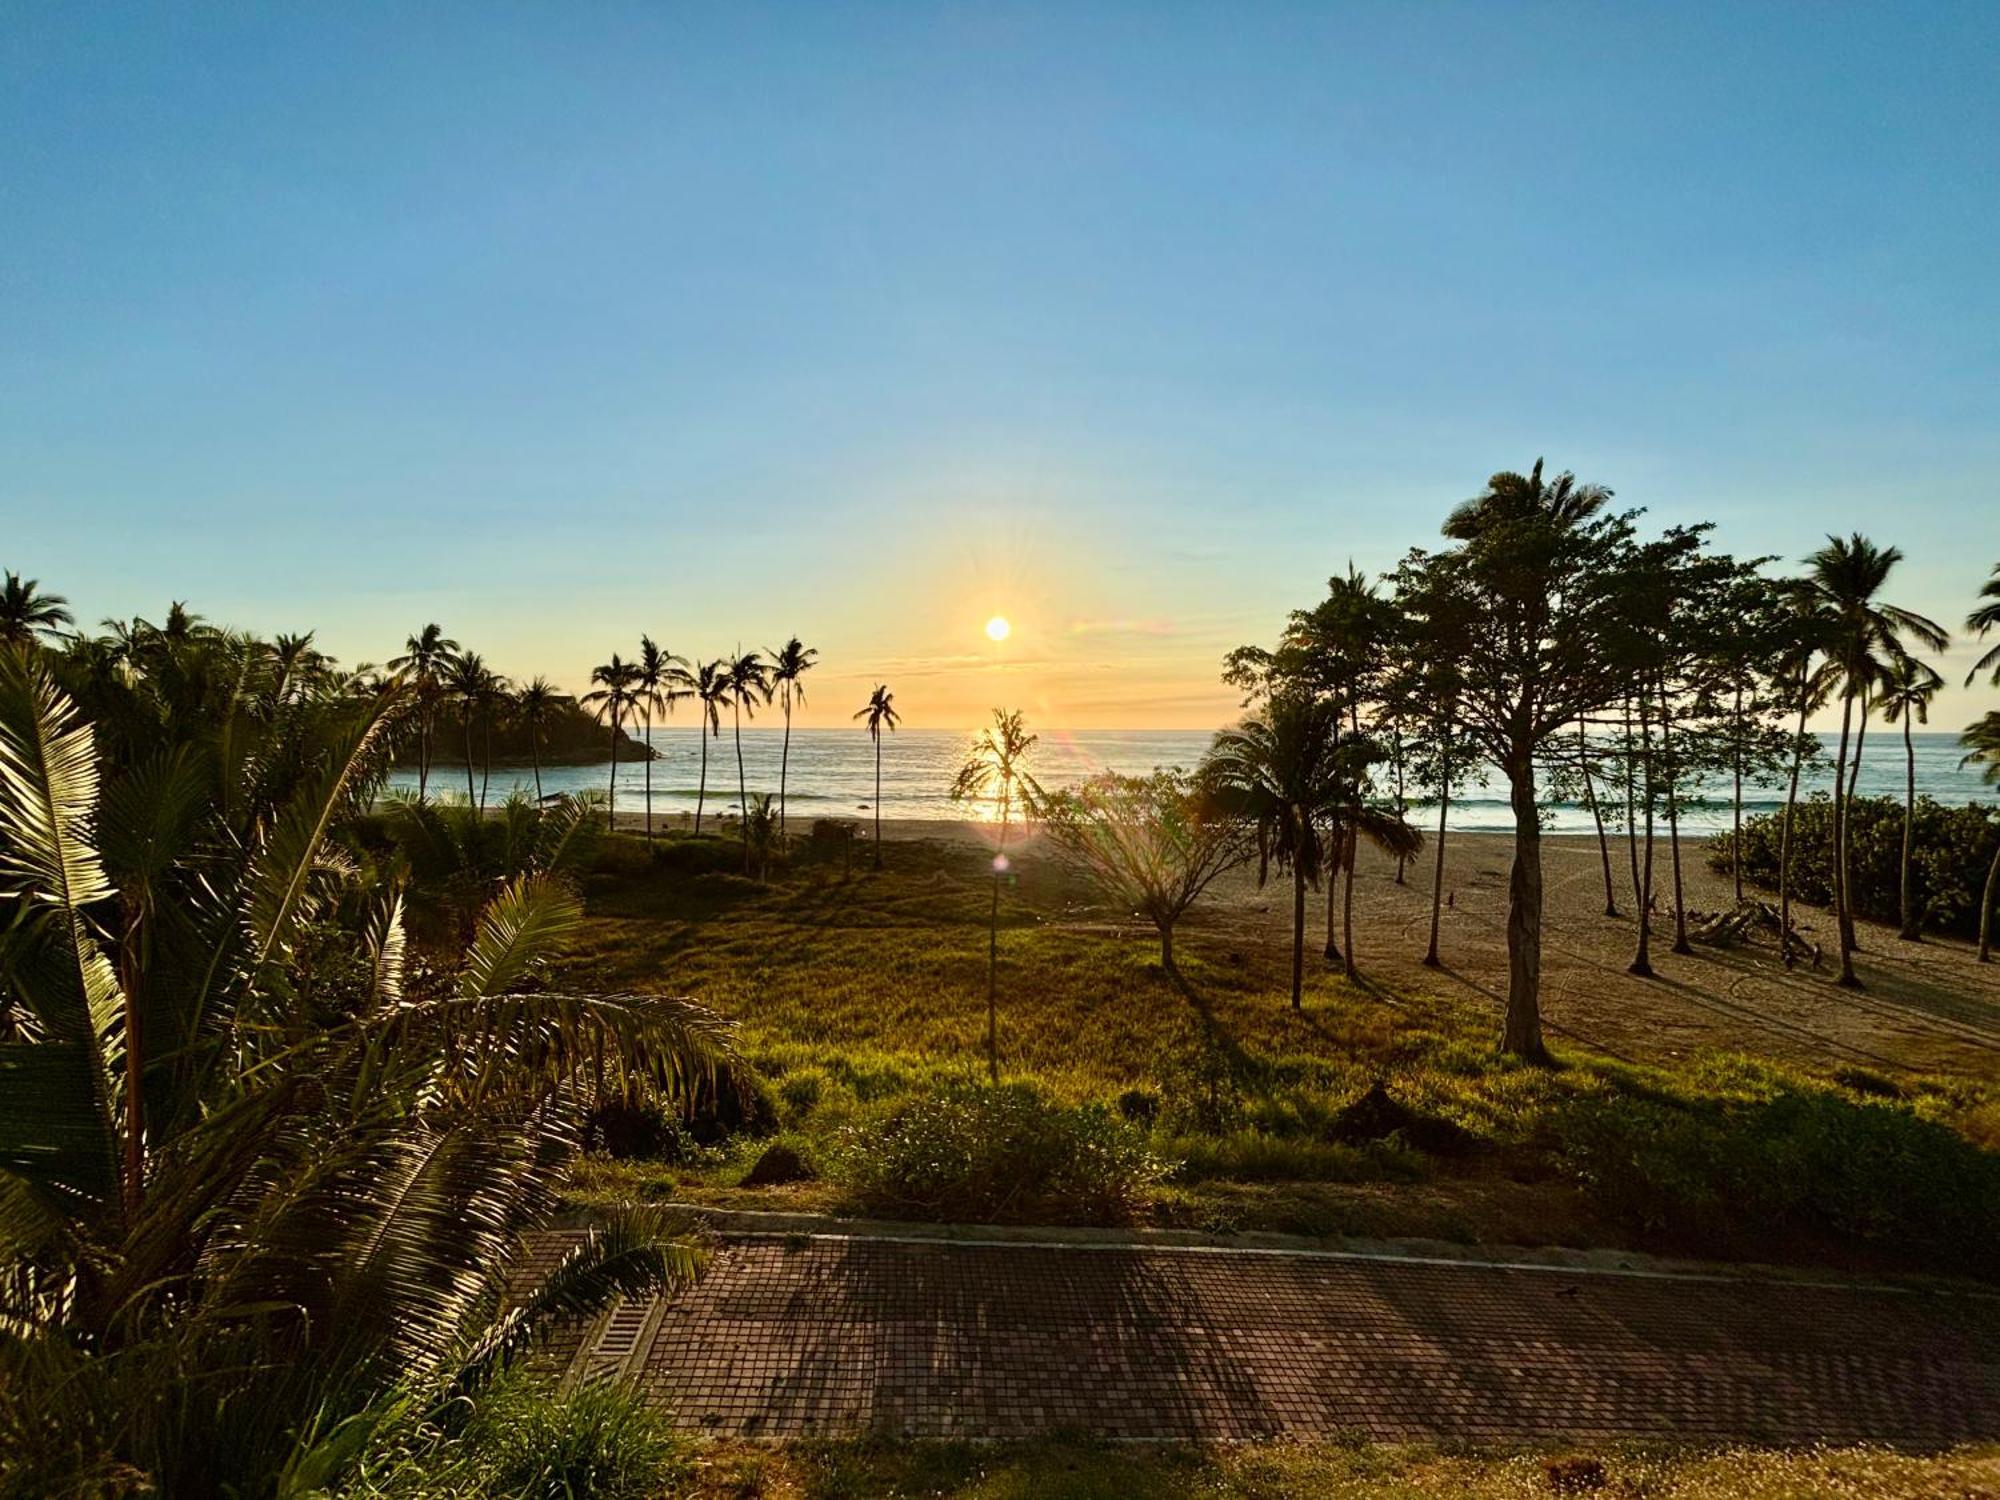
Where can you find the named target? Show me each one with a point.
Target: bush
(1810, 1161)
(1951, 848)
(596, 1442)
(997, 1155)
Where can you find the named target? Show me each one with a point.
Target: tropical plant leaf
(517, 931)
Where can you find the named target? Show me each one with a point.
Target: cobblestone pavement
(837, 1336)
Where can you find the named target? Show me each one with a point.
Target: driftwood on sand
(1746, 922)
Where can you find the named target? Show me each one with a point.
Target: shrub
(1951, 848)
(596, 1442)
(998, 1155)
(1801, 1160)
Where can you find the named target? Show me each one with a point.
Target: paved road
(841, 1335)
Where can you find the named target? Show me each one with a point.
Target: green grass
(861, 1004)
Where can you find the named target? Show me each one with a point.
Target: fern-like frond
(517, 932)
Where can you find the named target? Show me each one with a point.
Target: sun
(998, 629)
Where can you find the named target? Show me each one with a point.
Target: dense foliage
(1951, 850)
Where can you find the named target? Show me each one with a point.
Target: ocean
(832, 774)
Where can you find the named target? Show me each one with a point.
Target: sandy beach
(1926, 1006)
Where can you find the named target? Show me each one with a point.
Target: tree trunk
(701, 790)
(1853, 778)
(1298, 935)
(535, 750)
(878, 801)
(1597, 817)
(471, 793)
(1986, 909)
(611, 801)
(1785, 832)
(648, 732)
(784, 762)
(993, 959)
(1166, 947)
(1911, 931)
(423, 752)
(131, 972)
(1401, 808)
(1522, 1035)
(1334, 850)
(1842, 920)
(1347, 902)
(1642, 958)
(1680, 943)
(742, 788)
(1431, 959)
(485, 759)
(1736, 759)
(1631, 757)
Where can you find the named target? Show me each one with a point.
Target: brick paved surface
(834, 1336)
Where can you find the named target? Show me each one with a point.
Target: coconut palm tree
(659, 681)
(470, 684)
(1979, 622)
(535, 707)
(1276, 769)
(880, 712)
(749, 685)
(1982, 749)
(995, 766)
(1847, 575)
(711, 691)
(425, 657)
(26, 612)
(1906, 694)
(611, 696)
(789, 665)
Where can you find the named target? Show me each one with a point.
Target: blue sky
(557, 323)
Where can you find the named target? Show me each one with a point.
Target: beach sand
(1926, 1006)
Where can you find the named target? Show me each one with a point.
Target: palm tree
(1982, 749)
(1906, 693)
(749, 685)
(1846, 576)
(535, 705)
(880, 712)
(470, 683)
(425, 656)
(1981, 620)
(26, 612)
(611, 697)
(1276, 770)
(994, 766)
(711, 691)
(659, 682)
(1564, 502)
(789, 665)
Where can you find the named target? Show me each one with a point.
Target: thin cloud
(1155, 626)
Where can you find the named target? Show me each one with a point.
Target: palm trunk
(1298, 934)
(535, 750)
(485, 759)
(1843, 919)
(701, 791)
(1401, 808)
(1910, 928)
(878, 801)
(423, 753)
(993, 957)
(611, 800)
(465, 723)
(1986, 909)
(742, 789)
(1642, 958)
(1785, 832)
(1736, 832)
(1522, 1034)
(131, 979)
(1347, 901)
(784, 762)
(1680, 943)
(1431, 959)
(1597, 817)
(1334, 849)
(648, 731)
(1632, 802)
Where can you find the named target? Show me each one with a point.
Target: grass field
(861, 1003)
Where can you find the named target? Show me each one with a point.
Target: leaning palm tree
(425, 656)
(659, 681)
(1905, 694)
(1276, 770)
(994, 766)
(749, 685)
(535, 708)
(1982, 749)
(611, 697)
(1979, 622)
(880, 712)
(26, 612)
(1846, 576)
(711, 691)
(789, 665)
